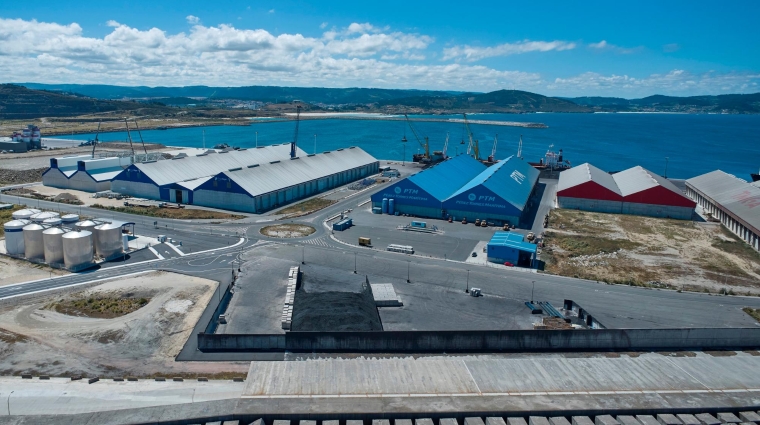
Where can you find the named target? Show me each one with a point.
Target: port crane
(423, 158)
(519, 148)
(446, 146)
(95, 141)
(295, 136)
(472, 148)
(493, 149)
(141, 139)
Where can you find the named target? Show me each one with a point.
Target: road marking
(160, 257)
(181, 254)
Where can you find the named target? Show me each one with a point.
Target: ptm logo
(411, 191)
(471, 197)
(397, 190)
(517, 176)
(487, 198)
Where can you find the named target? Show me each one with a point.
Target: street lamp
(315, 143)
(257, 139)
(354, 263)
(303, 255)
(531, 291)
(408, 266)
(403, 143)
(467, 290)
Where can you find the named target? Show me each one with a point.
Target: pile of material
(335, 311)
(552, 323)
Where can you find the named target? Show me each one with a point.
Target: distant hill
(334, 96)
(510, 101)
(17, 102)
(727, 103)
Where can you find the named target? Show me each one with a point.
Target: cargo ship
(552, 161)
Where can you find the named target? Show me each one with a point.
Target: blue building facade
(510, 247)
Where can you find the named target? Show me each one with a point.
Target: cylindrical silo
(52, 222)
(391, 206)
(107, 240)
(53, 241)
(42, 216)
(385, 205)
(34, 247)
(14, 236)
(89, 226)
(77, 249)
(24, 214)
(70, 218)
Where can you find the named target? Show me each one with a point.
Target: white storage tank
(77, 249)
(52, 238)
(34, 247)
(52, 222)
(107, 240)
(70, 218)
(14, 236)
(24, 214)
(42, 216)
(89, 226)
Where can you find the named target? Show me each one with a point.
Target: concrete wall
(487, 341)
(136, 189)
(617, 207)
(594, 205)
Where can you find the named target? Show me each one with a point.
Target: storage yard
(37, 339)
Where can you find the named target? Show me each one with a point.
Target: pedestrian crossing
(320, 241)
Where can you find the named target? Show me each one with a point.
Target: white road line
(181, 254)
(160, 257)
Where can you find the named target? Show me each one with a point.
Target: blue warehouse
(510, 247)
(463, 187)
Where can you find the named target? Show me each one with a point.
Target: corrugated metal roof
(637, 179)
(512, 240)
(584, 173)
(732, 193)
(511, 179)
(272, 177)
(445, 178)
(192, 167)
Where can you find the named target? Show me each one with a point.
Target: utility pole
(408, 266)
(354, 263)
(257, 139)
(403, 158)
(531, 291)
(467, 290)
(315, 143)
(303, 255)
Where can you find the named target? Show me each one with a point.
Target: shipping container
(364, 241)
(343, 224)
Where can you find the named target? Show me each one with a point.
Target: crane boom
(141, 139)
(446, 146)
(129, 137)
(425, 145)
(495, 141)
(295, 136)
(519, 148)
(95, 142)
(469, 134)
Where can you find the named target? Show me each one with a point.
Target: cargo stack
(287, 309)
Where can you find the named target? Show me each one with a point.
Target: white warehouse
(82, 172)
(252, 180)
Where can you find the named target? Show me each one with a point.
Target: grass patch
(100, 307)
(310, 205)
(287, 230)
(754, 312)
(575, 245)
(737, 247)
(7, 215)
(178, 213)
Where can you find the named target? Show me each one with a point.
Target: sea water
(687, 144)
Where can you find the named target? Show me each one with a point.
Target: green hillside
(515, 101)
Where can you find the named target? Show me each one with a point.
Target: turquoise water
(694, 144)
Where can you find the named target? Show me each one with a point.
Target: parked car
(474, 254)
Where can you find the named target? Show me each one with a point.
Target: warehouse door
(178, 196)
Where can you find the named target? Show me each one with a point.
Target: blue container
(385, 205)
(343, 224)
(377, 210)
(419, 224)
(391, 206)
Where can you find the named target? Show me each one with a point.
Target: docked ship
(551, 164)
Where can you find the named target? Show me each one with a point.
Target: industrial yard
(652, 252)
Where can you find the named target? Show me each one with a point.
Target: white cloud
(323, 25)
(600, 45)
(605, 46)
(271, 10)
(670, 48)
(677, 82)
(192, 19)
(472, 54)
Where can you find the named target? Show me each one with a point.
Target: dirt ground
(17, 271)
(36, 339)
(646, 251)
(287, 230)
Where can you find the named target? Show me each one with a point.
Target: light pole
(315, 143)
(531, 291)
(303, 255)
(257, 139)
(354, 263)
(467, 290)
(408, 266)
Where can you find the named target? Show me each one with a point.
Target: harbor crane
(446, 146)
(422, 158)
(295, 136)
(519, 148)
(141, 139)
(493, 149)
(472, 147)
(129, 137)
(95, 141)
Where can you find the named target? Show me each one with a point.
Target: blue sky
(557, 48)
